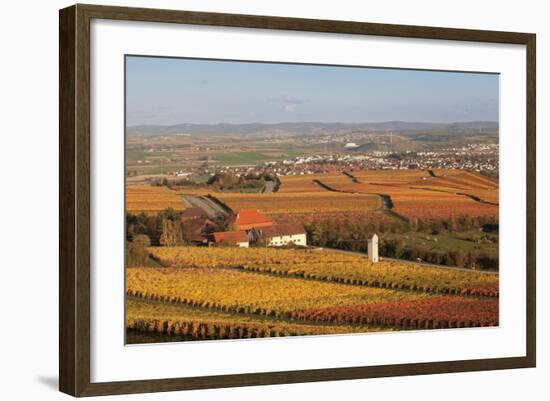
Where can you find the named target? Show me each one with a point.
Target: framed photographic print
(250, 200)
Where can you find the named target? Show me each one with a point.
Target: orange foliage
(150, 199)
(417, 195)
(302, 202)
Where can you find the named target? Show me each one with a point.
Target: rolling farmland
(332, 267)
(162, 321)
(268, 207)
(151, 199)
(302, 202)
(418, 195)
(414, 194)
(236, 291)
(234, 257)
(216, 293)
(210, 293)
(411, 194)
(300, 184)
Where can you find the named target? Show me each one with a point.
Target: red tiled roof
(231, 236)
(251, 217)
(280, 230)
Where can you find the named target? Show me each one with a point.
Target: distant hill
(301, 128)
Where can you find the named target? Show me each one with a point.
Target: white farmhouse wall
(298, 239)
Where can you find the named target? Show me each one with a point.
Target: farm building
(281, 234)
(195, 226)
(238, 238)
(248, 219)
(193, 213)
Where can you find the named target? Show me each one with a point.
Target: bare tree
(171, 233)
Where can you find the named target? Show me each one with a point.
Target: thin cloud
(293, 100)
(290, 103)
(290, 107)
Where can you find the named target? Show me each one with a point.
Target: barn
(196, 226)
(246, 220)
(281, 234)
(239, 238)
(193, 213)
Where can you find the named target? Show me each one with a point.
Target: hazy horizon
(173, 91)
(320, 122)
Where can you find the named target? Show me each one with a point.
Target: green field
(254, 157)
(467, 241)
(232, 159)
(136, 155)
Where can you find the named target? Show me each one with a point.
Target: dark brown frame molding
(74, 199)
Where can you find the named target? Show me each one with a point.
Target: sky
(169, 91)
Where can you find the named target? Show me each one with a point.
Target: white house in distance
(373, 249)
(281, 234)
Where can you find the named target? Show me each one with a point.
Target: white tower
(373, 249)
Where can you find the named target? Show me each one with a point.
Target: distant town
(477, 157)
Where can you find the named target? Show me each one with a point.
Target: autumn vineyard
(232, 293)
(438, 267)
(278, 199)
(268, 256)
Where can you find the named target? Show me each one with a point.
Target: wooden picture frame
(74, 203)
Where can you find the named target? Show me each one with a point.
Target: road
(409, 262)
(210, 207)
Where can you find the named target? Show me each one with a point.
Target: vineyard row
(476, 292)
(376, 317)
(210, 305)
(436, 312)
(208, 331)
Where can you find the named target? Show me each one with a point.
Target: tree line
(166, 227)
(162, 229)
(353, 236)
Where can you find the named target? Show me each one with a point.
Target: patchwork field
(419, 195)
(429, 205)
(463, 182)
(303, 202)
(300, 184)
(390, 177)
(151, 199)
(216, 292)
(212, 293)
(411, 194)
